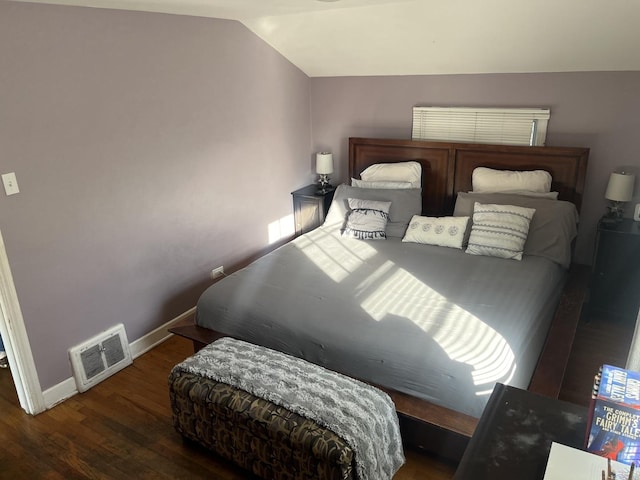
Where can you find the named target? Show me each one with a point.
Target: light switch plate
(636, 213)
(10, 183)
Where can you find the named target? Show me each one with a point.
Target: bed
(433, 326)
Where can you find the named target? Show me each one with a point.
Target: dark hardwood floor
(599, 340)
(122, 427)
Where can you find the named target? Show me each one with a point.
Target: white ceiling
(406, 37)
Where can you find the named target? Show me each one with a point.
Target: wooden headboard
(447, 167)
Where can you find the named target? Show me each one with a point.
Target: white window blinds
(508, 126)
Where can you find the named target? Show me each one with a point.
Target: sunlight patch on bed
(464, 337)
(377, 276)
(332, 255)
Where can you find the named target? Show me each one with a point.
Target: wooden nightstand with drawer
(310, 207)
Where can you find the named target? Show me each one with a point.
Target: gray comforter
(429, 321)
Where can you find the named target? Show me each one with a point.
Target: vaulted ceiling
(407, 37)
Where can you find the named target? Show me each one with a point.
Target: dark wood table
(514, 435)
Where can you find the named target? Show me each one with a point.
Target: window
(509, 126)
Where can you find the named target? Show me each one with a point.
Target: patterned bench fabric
(266, 439)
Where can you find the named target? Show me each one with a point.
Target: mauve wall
(148, 149)
(596, 110)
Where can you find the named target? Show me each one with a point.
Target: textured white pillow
(394, 172)
(367, 219)
(383, 185)
(488, 180)
(499, 230)
(442, 231)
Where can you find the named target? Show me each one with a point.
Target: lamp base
(323, 183)
(616, 209)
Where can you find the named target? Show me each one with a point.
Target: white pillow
(488, 180)
(394, 172)
(499, 230)
(383, 185)
(367, 219)
(442, 231)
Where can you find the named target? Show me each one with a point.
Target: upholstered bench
(283, 418)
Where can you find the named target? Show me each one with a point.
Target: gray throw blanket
(363, 416)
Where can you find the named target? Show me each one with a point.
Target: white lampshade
(324, 163)
(620, 187)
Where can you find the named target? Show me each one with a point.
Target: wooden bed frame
(447, 169)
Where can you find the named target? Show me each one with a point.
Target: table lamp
(619, 191)
(324, 167)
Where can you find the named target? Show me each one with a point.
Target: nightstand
(615, 285)
(310, 207)
(514, 435)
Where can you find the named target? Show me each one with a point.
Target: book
(620, 385)
(614, 416)
(592, 404)
(566, 463)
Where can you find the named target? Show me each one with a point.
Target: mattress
(429, 321)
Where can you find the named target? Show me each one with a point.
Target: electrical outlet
(636, 213)
(10, 183)
(217, 272)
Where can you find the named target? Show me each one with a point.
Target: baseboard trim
(67, 388)
(59, 393)
(157, 336)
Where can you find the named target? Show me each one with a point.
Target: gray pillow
(405, 204)
(552, 229)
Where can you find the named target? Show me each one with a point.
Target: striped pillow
(499, 230)
(367, 219)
